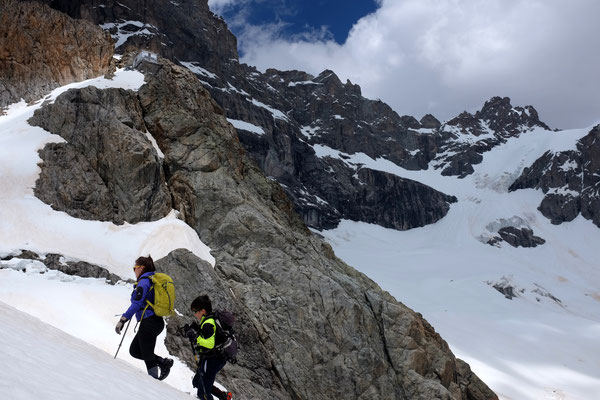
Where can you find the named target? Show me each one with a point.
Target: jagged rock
(410, 122)
(310, 315)
(503, 118)
(107, 170)
(430, 122)
(75, 268)
(569, 179)
(505, 286)
(589, 146)
(80, 268)
(497, 121)
(315, 327)
(69, 183)
(559, 208)
(523, 237)
(401, 203)
(41, 49)
(178, 30)
(516, 231)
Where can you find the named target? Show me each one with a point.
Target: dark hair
(147, 263)
(201, 303)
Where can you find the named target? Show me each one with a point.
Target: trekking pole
(123, 338)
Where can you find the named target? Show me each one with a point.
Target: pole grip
(123, 338)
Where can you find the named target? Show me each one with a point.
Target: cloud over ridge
(442, 57)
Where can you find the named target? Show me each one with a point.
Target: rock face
(41, 49)
(108, 170)
(78, 268)
(310, 326)
(468, 136)
(569, 179)
(183, 30)
(312, 134)
(324, 189)
(520, 237)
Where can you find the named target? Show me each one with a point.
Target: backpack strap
(147, 301)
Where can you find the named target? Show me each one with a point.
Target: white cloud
(442, 57)
(217, 6)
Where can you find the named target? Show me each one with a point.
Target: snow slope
(42, 362)
(27, 223)
(87, 309)
(530, 347)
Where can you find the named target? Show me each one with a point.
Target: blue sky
(299, 17)
(435, 56)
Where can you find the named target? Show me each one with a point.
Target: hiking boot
(153, 372)
(221, 395)
(165, 368)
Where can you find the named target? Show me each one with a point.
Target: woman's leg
(134, 349)
(150, 328)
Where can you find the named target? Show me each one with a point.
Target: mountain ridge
(284, 282)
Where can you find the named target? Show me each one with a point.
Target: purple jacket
(140, 294)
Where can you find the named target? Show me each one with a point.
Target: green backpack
(164, 295)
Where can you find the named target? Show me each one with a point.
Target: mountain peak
(328, 76)
(501, 115)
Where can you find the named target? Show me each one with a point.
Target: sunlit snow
(543, 344)
(26, 223)
(41, 362)
(531, 347)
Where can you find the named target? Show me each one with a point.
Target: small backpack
(164, 295)
(228, 347)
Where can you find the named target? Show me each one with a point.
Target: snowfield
(542, 344)
(57, 336)
(43, 362)
(85, 308)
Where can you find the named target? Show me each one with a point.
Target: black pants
(206, 374)
(142, 346)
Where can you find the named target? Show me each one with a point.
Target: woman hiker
(151, 325)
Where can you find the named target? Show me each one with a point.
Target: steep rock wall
(41, 49)
(311, 326)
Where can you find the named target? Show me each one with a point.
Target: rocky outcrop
(310, 315)
(178, 30)
(515, 231)
(41, 49)
(311, 327)
(333, 118)
(466, 138)
(108, 169)
(69, 267)
(569, 179)
(520, 237)
(511, 290)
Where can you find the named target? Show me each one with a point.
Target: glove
(190, 332)
(120, 325)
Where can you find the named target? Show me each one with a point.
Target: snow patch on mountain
(543, 341)
(121, 31)
(246, 126)
(198, 70)
(43, 362)
(26, 223)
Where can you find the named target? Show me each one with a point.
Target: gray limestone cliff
(311, 327)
